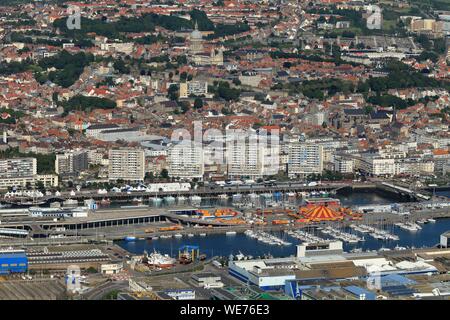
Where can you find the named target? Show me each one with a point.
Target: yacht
(431, 220)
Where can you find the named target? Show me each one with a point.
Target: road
(99, 292)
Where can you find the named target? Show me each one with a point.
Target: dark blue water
(224, 245)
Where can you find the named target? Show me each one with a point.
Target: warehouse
(13, 261)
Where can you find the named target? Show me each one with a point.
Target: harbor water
(224, 245)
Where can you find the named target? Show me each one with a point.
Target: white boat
(409, 226)
(195, 200)
(237, 197)
(169, 200)
(230, 233)
(181, 199)
(166, 236)
(156, 201)
(178, 235)
(223, 196)
(190, 235)
(202, 234)
(70, 203)
(431, 220)
(158, 260)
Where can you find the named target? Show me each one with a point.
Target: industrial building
(445, 239)
(318, 264)
(13, 261)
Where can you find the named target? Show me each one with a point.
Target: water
(223, 245)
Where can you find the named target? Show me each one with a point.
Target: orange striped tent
(322, 213)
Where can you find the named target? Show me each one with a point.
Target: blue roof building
(13, 262)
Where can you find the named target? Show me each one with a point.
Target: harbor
(223, 245)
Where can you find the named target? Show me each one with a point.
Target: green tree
(198, 103)
(164, 174)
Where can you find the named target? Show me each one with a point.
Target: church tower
(195, 41)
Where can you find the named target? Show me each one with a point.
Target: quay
(215, 191)
(116, 224)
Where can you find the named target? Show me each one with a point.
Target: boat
(422, 221)
(156, 201)
(409, 226)
(181, 199)
(105, 202)
(130, 238)
(237, 197)
(136, 200)
(166, 236)
(190, 235)
(159, 260)
(169, 200)
(431, 220)
(223, 196)
(70, 203)
(202, 234)
(178, 235)
(230, 233)
(195, 200)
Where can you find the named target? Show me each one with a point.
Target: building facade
(126, 164)
(305, 159)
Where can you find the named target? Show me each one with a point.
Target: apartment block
(126, 164)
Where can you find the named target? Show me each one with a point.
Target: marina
(220, 244)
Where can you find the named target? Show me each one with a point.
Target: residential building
(18, 167)
(305, 159)
(126, 164)
(185, 160)
(71, 162)
(197, 88)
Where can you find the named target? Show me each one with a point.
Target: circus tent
(321, 213)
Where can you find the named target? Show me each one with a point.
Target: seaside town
(225, 150)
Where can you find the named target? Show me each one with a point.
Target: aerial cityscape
(223, 150)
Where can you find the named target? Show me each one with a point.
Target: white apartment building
(18, 167)
(375, 165)
(252, 155)
(126, 164)
(196, 88)
(342, 164)
(305, 159)
(22, 172)
(185, 160)
(413, 166)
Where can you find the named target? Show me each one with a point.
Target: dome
(196, 35)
